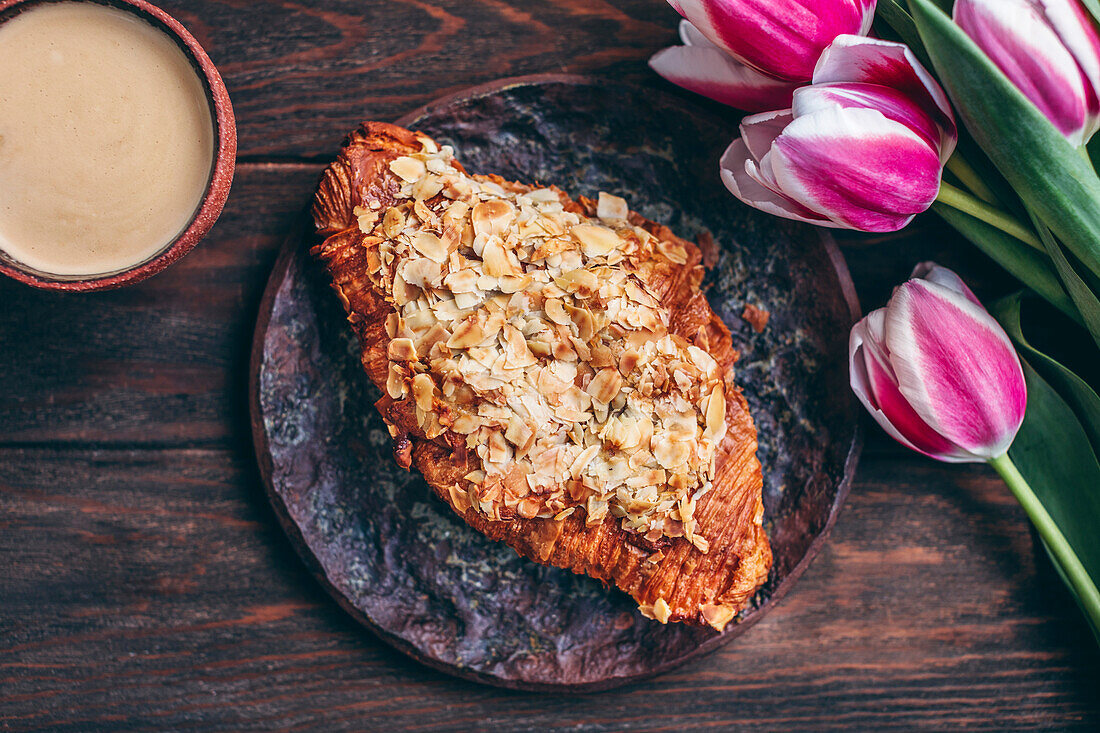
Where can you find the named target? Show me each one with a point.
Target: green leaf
(1080, 397)
(1046, 171)
(1024, 263)
(1083, 297)
(1053, 454)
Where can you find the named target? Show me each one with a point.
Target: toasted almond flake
(393, 222)
(611, 208)
(460, 499)
(580, 282)
(395, 383)
(596, 240)
(423, 389)
(674, 252)
(401, 349)
(366, 219)
(555, 311)
(408, 169)
(430, 246)
(583, 459)
(492, 217)
(716, 414)
(427, 187)
(671, 454)
(629, 361)
(495, 259)
(716, 616)
(605, 385)
(528, 508)
(468, 333)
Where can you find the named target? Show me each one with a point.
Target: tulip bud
(1049, 49)
(937, 372)
(862, 148)
(752, 54)
(701, 67)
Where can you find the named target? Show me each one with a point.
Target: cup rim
(221, 178)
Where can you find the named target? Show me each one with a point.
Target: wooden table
(144, 582)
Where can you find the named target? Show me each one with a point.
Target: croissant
(553, 369)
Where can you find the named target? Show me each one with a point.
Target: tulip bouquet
(864, 114)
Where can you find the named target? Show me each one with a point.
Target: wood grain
(144, 583)
(153, 589)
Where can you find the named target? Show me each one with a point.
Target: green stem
(1072, 569)
(970, 178)
(956, 198)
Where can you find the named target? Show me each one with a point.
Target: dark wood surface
(144, 583)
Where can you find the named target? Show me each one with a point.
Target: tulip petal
(692, 36)
(872, 61)
(733, 168)
(943, 276)
(760, 131)
(890, 102)
(855, 166)
(875, 384)
(780, 38)
(1079, 34)
(1018, 39)
(956, 367)
(708, 71)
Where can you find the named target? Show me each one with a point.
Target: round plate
(401, 561)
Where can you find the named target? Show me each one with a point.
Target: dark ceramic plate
(399, 560)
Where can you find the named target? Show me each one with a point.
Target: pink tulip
(701, 67)
(862, 148)
(752, 54)
(937, 372)
(1049, 49)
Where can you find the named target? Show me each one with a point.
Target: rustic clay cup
(221, 176)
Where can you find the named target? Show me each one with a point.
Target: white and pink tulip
(1049, 49)
(752, 54)
(862, 148)
(937, 372)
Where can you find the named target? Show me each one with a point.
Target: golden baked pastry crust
(671, 578)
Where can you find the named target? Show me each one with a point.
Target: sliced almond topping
(661, 611)
(496, 260)
(596, 240)
(674, 252)
(409, 169)
(423, 389)
(492, 217)
(611, 208)
(469, 333)
(525, 327)
(430, 246)
(401, 349)
(555, 311)
(715, 615)
(605, 386)
(716, 414)
(629, 361)
(393, 222)
(581, 282)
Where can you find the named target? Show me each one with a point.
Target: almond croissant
(553, 369)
